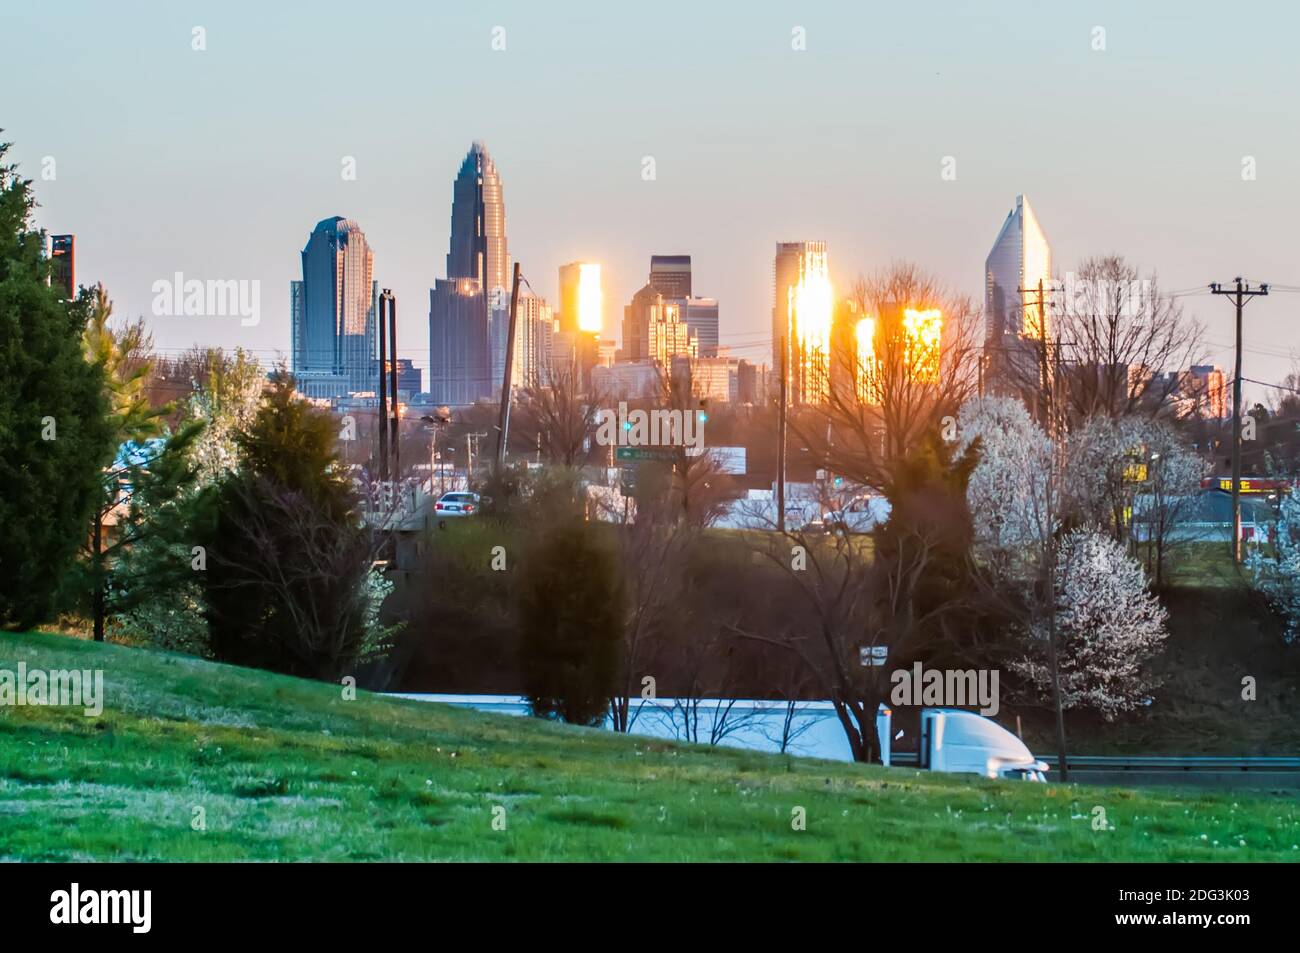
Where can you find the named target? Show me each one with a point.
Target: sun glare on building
(811, 309)
(924, 334)
(591, 300)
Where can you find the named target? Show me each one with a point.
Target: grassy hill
(285, 769)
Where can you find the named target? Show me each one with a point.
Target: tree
(54, 434)
(1121, 333)
(562, 415)
(1008, 489)
(124, 354)
(287, 584)
(1276, 573)
(652, 558)
(226, 392)
(1105, 462)
(905, 592)
(884, 399)
(570, 606)
(1170, 497)
(1108, 625)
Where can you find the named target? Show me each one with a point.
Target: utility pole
(780, 445)
(1043, 366)
(1049, 377)
(383, 388)
(392, 384)
(503, 419)
(1241, 294)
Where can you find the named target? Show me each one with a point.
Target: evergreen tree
(55, 437)
(288, 583)
(570, 611)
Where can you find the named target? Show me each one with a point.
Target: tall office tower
(533, 332)
(333, 310)
(582, 298)
(637, 318)
(1020, 258)
(460, 364)
(670, 275)
(701, 316)
(62, 254)
(668, 337)
(791, 261)
(801, 316)
(477, 286)
(410, 379)
(478, 224)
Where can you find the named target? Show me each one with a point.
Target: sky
(217, 162)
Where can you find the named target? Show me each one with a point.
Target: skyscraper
(478, 223)
(460, 366)
(533, 333)
(62, 255)
(701, 316)
(801, 318)
(1020, 258)
(790, 258)
(670, 275)
(333, 311)
(478, 267)
(582, 298)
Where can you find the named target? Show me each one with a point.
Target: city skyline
(1181, 208)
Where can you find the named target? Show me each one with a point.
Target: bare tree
(1121, 335)
(653, 553)
(563, 413)
(833, 575)
(889, 388)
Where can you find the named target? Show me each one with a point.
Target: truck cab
(964, 742)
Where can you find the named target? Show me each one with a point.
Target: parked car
(862, 514)
(457, 503)
(963, 742)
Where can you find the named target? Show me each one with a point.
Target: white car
(456, 503)
(862, 514)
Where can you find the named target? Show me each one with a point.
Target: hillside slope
(283, 769)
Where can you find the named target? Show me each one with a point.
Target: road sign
(873, 655)
(645, 453)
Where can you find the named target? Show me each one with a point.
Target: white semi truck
(963, 742)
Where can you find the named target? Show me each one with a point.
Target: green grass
(287, 770)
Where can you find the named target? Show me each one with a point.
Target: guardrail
(1187, 764)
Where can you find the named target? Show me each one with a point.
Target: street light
(437, 420)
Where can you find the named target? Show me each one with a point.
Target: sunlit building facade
(333, 311)
(670, 275)
(478, 247)
(470, 305)
(1021, 257)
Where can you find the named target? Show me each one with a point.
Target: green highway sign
(644, 453)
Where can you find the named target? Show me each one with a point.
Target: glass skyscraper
(461, 368)
(478, 223)
(1021, 257)
(333, 310)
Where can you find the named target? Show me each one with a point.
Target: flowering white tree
(1102, 472)
(1108, 625)
(1008, 492)
(226, 399)
(1277, 574)
(1168, 498)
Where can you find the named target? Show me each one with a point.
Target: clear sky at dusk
(218, 163)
